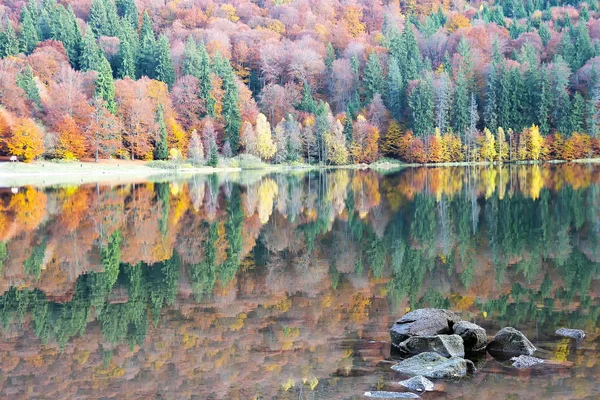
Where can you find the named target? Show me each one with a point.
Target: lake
(284, 286)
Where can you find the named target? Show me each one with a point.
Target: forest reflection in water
(285, 285)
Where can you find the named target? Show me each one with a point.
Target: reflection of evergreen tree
(203, 275)
(162, 194)
(233, 230)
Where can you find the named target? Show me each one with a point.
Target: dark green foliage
(105, 87)
(373, 78)
(33, 265)
(29, 37)
(421, 104)
(26, 81)
(146, 62)
(461, 105)
(161, 148)
(307, 103)
(9, 44)
(164, 65)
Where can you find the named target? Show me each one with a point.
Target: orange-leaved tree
(71, 141)
(27, 140)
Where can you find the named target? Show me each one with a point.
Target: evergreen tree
(395, 89)
(26, 81)
(348, 127)
(97, 19)
(113, 22)
(69, 34)
(461, 104)
(330, 57)
(146, 64)
(503, 97)
(231, 111)
(192, 63)
(490, 115)
(544, 33)
(307, 102)
(91, 55)
(545, 103)
(10, 43)
(413, 53)
(105, 87)
(161, 148)
(128, 11)
(578, 114)
(373, 78)
(442, 102)
(517, 99)
(126, 58)
(421, 104)
(164, 65)
(29, 35)
(205, 81)
(583, 45)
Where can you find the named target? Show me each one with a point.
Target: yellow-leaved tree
(535, 143)
(337, 153)
(264, 141)
(501, 145)
(488, 147)
(26, 141)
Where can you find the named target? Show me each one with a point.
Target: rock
(423, 322)
(473, 336)
(432, 365)
(444, 345)
(525, 361)
(571, 333)
(391, 395)
(418, 384)
(510, 341)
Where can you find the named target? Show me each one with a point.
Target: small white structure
(14, 159)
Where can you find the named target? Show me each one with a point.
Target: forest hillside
(318, 81)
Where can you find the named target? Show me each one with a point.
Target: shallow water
(284, 286)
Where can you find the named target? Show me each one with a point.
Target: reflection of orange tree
(29, 208)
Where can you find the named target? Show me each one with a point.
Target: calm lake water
(284, 286)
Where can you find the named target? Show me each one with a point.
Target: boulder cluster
(434, 343)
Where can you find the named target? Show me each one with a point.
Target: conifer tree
(161, 148)
(490, 116)
(10, 43)
(204, 78)
(307, 102)
(146, 65)
(29, 35)
(26, 81)
(191, 59)
(348, 127)
(421, 104)
(461, 105)
(578, 114)
(393, 98)
(105, 86)
(126, 58)
(231, 110)
(164, 64)
(97, 19)
(91, 55)
(373, 78)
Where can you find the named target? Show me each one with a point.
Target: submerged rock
(525, 361)
(444, 345)
(432, 365)
(418, 384)
(571, 333)
(423, 322)
(510, 341)
(391, 395)
(474, 337)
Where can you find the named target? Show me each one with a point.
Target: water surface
(284, 286)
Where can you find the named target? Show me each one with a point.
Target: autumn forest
(300, 81)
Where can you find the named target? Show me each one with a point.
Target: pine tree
(442, 102)
(413, 53)
(10, 45)
(205, 81)
(128, 10)
(544, 33)
(164, 65)
(231, 110)
(161, 148)
(29, 35)
(192, 63)
(126, 57)
(26, 81)
(461, 105)
(113, 22)
(105, 87)
(330, 58)
(545, 103)
(307, 103)
(578, 114)
(348, 127)
(490, 116)
(421, 104)
(91, 55)
(97, 19)
(395, 89)
(69, 34)
(146, 65)
(373, 78)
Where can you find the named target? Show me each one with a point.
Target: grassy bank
(50, 173)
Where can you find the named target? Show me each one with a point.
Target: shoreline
(49, 173)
